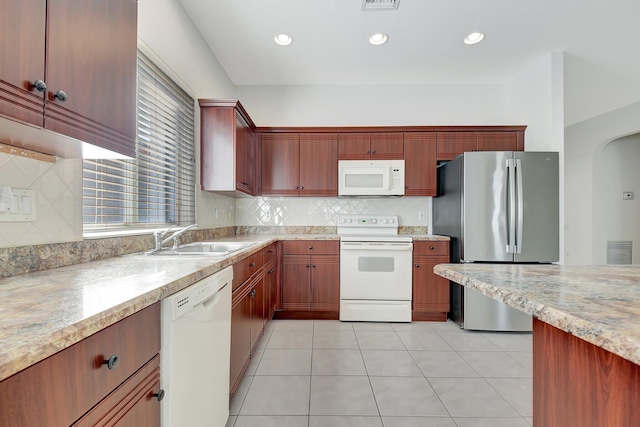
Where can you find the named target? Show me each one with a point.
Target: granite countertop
(599, 304)
(47, 311)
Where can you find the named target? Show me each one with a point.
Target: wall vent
(380, 4)
(619, 251)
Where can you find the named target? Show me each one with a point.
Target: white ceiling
(425, 44)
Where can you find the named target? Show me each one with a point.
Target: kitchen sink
(210, 249)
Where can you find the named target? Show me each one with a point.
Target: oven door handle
(375, 246)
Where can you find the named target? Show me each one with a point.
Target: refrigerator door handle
(511, 188)
(520, 198)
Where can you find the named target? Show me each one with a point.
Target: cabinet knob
(431, 248)
(417, 265)
(112, 362)
(253, 264)
(271, 271)
(252, 293)
(297, 187)
(40, 85)
(307, 265)
(314, 266)
(159, 395)
(373, 151)
(406, 187)
(368, 151)
(61, 96)
(310, 248)
(302, 188)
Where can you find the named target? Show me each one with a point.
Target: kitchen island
(586, 336)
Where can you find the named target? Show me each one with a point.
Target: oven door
(375, 271)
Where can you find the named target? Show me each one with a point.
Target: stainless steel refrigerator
(497, 207)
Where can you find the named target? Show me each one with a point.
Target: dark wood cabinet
(430, 291)
(88, 81)
(452, 144)
(227, 148)
(371, 146)
(420, 177)
(252, 306)
(318, 164)
(311, 277)
(240, 336)
(280, 164)
(22, 43)
(60, 389)
(299, 164)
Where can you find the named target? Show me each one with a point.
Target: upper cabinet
(420, 164)
(69, 67)
(299, 164)
(453, 143)
(227, 147)
(371, 146)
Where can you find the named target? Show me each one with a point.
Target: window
(158, 187)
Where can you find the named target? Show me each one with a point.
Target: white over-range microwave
(371, 177)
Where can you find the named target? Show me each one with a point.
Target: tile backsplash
(322, 211)
(58, 204)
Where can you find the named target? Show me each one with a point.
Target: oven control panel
(368, 221)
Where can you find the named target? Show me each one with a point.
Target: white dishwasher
(195, 352)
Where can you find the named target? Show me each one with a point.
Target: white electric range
(375, 269)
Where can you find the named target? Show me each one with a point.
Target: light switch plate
(23, 207)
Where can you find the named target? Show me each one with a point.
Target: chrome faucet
(175, 236)
(158, 235)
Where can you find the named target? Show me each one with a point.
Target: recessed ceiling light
(283, 39)
(378, 39)
(473, 38)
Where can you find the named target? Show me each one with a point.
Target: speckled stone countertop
(46, 311)
(599, 304)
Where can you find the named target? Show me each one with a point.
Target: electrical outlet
(267, 215)
(422, 215)
(627, 195)
(22, 206)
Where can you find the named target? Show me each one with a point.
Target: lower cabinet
(110, 378)
(311, 279)
(430, 291)
(252, 306)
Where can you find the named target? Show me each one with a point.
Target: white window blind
(158, 187)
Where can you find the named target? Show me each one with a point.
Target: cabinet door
(430, 291)
(91, 56)
(258, 312)
(318, 164)
(240, 337)
(296, 284)
(452, 144)
(250, 161)
(273, 292)
(387, 146)
(420, 164)
(325, 283)
(22, 37)
(354, 146)
(241, 155)
(280, 164)
(498, 141)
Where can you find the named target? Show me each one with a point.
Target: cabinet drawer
(244, 269)
(311, 247)
(132, 404)
(60, 389)
(439, 248)
(268, 253)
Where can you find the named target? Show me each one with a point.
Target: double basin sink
(211, 249)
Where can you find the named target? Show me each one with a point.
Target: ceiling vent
(380, 4)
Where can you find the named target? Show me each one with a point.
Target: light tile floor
(324, 373)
